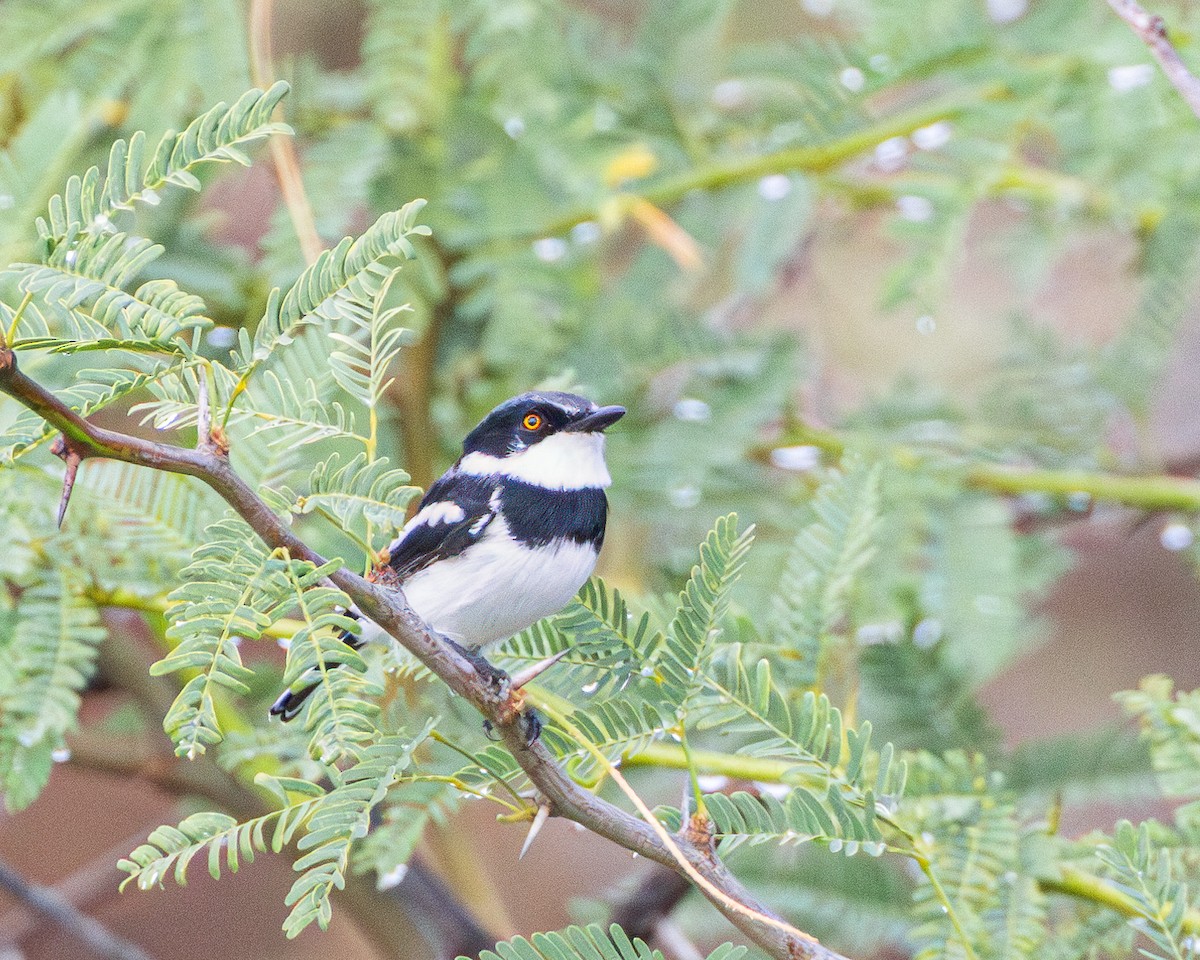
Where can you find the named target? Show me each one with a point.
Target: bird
(503, 538)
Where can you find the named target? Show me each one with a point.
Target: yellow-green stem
(693, 775)
(1156, 492)
(940, 892)
(807, 159)
(129, 600)
(1073, 882)
(372, 446)
(11, 336)
(520, 801)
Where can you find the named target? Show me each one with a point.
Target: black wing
(454, 514)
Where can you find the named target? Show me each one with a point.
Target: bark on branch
(388, 608)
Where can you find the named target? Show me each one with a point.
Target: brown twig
(388, 608)
(87, 889)
(1153, 31)
(651, 902)
(91, 933)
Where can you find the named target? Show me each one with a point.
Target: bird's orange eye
(532, 421)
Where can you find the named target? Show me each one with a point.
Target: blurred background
(954, 232)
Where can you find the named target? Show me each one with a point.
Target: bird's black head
(519, 423)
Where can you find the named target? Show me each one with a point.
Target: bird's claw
(531, 724)
(484, 667)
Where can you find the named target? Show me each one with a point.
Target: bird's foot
(484, 667)
(531, 726)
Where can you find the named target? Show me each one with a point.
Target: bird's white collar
(564, 461)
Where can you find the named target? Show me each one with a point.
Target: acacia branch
(1153, 31)
(388, 608)
(650, 903)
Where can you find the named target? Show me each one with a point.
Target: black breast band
(536, 515)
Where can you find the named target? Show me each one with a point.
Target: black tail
(292, 699)
(290, 702)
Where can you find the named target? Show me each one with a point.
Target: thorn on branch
(535, 670)
(209, 439)
(539, 821)
(72, 456)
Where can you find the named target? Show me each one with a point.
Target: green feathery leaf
(217, 136)
(1146, 875)
(234, 590)
(357, 492)
(825, 561)
(342, 285)
(361, 366)
(1170, 722)
(588, 943)
(972, 843)
(688, 646)
(340, 818)
(172, 849)
(48, 653)
(342, 715)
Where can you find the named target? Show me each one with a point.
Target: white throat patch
(563, 461)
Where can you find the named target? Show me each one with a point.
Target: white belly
(498, 587)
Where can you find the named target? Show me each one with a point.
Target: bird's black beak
(597, 421)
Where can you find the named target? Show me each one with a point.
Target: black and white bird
(508, 534)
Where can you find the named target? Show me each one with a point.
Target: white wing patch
(563, 461)
(444, 511)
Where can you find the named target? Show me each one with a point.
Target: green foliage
(976, 900)
(660, 681)
(682, 661)
(342, 816)
(97, 390)
(368, 352)
(170, 850)
(343, 283)
(848, 778)
(588, 943)
(332, 820)
(357, 493)
(342, 718)
(1170, 726)
(651, 675)
(826, 559)
(49, 646)
(799, 817)
(234, 590)
(214, 137)
(1145, 875)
